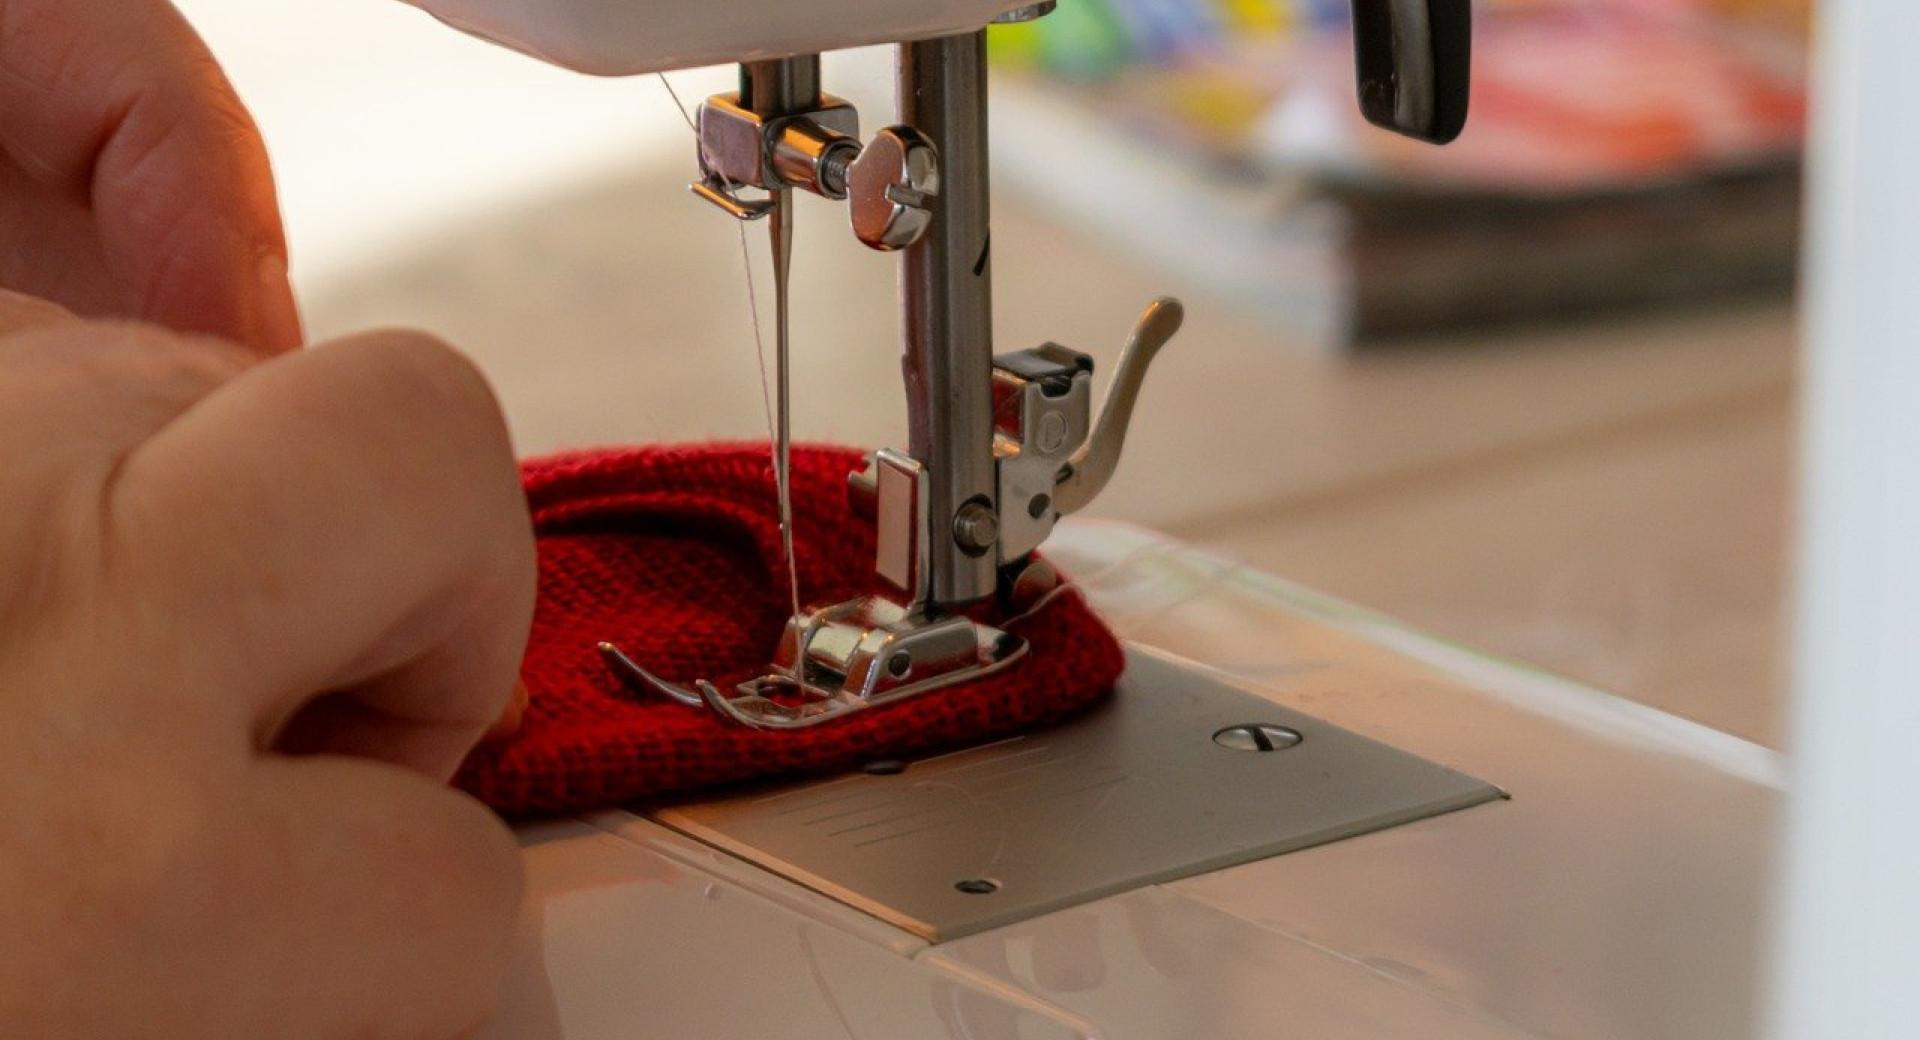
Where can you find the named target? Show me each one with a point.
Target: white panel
(1852, 902)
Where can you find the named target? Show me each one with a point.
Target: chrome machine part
(997, 453)
(899, 489)
(947, 299)
(723, 197)
(1048, 463)
(1026, 14)
(889, 188)
(935, 505)
(772, 91)
(782, 238)
(1043, 403)
(1149, 788)
(777, 132)
(811, 156)
(839, 660)
(845, 658)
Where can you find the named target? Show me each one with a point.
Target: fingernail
(278, 316)
(515, 715)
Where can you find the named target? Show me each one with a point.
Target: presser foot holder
(841, 659)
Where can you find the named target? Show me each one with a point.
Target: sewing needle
(781, 229)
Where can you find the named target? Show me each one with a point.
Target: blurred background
(1533, 392)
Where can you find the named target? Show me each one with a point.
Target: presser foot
(841, 659)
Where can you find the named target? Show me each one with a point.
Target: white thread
(1133, 556)
(783, 489)
(679, 104)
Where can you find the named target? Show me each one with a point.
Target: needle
(781, 228)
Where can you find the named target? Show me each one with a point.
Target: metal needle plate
(1180, 775)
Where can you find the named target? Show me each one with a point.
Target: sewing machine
(1001, 447)
(1139, 873)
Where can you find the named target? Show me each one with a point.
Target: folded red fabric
(674, 554)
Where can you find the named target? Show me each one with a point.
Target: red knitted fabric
(674, 554)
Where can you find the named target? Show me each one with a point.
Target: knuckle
(184, 361)
(457, 447)
(167, 365)
(433, 385)
(131, 354)
(110, 382)
(19, 311)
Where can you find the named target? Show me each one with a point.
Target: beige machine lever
(1093, 465)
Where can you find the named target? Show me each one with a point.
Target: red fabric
(674, 554)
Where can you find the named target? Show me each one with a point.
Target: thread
(783, 487)
(1139, 554)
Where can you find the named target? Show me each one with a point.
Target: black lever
(1414, 58)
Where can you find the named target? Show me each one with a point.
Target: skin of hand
(256, 603)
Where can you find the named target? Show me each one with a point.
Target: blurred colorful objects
(1620, 154)
(1569, 95)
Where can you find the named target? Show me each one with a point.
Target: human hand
(252, 614)
(132, 181)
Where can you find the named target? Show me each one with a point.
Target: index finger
(121, 107)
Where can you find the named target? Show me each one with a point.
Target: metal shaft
(781, 86)
(947, 309)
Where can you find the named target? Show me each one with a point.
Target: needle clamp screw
(888, 188)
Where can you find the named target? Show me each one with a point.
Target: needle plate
(1181, 774)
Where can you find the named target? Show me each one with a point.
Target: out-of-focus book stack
(1620, 153)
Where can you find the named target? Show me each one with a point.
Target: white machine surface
(625, 37)
(1619, 895)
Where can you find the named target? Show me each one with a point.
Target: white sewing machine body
(627, 37)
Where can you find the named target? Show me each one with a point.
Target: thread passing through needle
(779, 419)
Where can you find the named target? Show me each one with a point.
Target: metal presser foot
(841, 659)
(1000, 447)
(865, 652)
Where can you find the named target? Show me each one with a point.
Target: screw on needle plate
(1258, 736)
